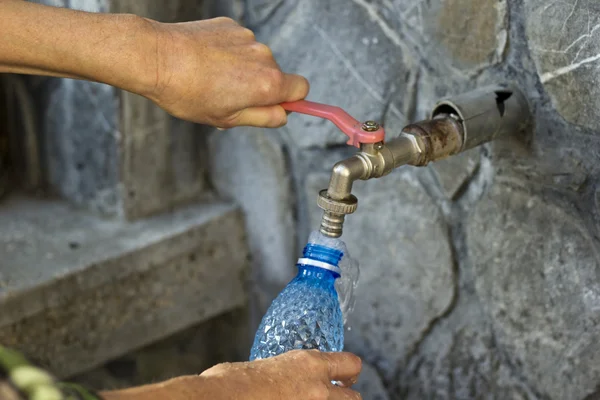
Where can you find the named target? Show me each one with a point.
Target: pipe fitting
(456, 124)
(338, 201)
(344, 174)
(373, 161)
(437, 138)
(487, 113)
(334, 213)
(340, 206)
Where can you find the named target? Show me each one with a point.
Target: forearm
(116, 49)
(155, 391)
(183, 387)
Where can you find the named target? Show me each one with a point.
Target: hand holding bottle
(298, 374)
(295, 375)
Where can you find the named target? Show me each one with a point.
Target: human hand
(215, 72)
(300, 374)
(296, 375)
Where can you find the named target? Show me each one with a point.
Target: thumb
(266, 117)
(294, 87)
(343, 367)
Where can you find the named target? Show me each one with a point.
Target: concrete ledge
(78, 290)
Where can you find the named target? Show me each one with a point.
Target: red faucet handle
(352, 128)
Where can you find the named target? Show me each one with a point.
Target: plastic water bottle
(307, 313)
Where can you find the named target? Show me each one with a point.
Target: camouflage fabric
(21, 380)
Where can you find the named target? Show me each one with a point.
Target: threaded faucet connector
(334, 212)
(332, 224)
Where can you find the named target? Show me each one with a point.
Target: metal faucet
(456, 124)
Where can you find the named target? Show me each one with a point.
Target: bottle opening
(323, 253)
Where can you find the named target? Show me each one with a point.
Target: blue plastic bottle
(307, 313)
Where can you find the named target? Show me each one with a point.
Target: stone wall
(110, 155)
(479, 274)
(186, 353)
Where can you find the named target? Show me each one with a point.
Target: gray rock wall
(479, 273)
(113, 152)
(79, 133)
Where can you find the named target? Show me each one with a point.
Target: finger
(234, 35)
(222, 21)
(343, 367)
(294, 87)
(340, 393)
(347, 382)
(266, 117)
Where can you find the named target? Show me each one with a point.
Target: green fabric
(21, 380)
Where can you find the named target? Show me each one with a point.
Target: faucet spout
(344, 174)
(338, 200)
(373, 161)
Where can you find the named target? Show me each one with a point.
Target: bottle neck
(324, 276)
(318, 258)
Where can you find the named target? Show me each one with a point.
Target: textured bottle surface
(307, 313)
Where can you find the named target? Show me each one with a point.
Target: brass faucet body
(456, 124)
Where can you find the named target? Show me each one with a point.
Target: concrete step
(77, 290)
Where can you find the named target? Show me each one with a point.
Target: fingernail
(221, 129)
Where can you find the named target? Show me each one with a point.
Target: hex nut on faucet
(345, 207)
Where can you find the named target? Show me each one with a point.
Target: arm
(211, 71)
(44, 40)
(297, 375)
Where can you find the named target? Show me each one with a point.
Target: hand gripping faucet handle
(357, 132)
